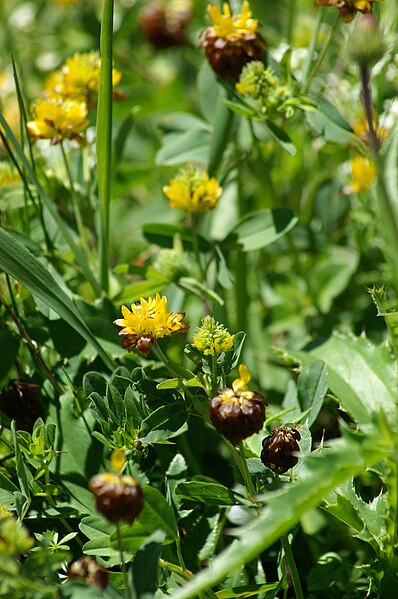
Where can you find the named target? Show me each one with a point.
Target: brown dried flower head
(238, 413)
(117, 497)
(280, 449)
(89, 570)
(164, 23)
(20, 402)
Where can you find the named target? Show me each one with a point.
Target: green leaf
(252, 590)
(24, 475)
(324, 471)
(330, 111)
(259, 229)
(145, 566)
(203, 492)
(200, 289)
(157, 514)
(183, 147)
(19, 263)
(387, 308)
(312, 388)
(362, 375)
(164, 234)
(281, 137)
(332, 273)
(7, 490)
(164, 423)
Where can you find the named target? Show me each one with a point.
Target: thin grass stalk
(104, 139)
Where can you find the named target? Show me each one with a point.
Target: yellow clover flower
(229, 26)
(348, 9)
(148, 321)
(57, 119)
(193, 190)
(363, 174)
(79, 79)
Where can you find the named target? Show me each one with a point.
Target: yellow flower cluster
(193, 190)
(212, 338)
(227, 26)
(147, 321)
(62, 111)
(79, 78)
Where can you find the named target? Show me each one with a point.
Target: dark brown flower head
(117, 497)
(164, 23)
(348, 9)
(279, 449)
(88, 569)
(231, 41)
(238, 413)
(20, 402)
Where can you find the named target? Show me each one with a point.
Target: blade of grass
(104, 138)
(19, 263)
(63, 228)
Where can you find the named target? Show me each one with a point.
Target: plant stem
(292, 567)
(321, 57)
(240, 462)
(387, 210)
(179, 554)
(124, 571)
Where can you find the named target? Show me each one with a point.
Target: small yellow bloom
(148, 321)
(192, 190)
(57, 119)
(239, 385)
(229, 26)
(363, 174)
(348, 8)
(79, 79)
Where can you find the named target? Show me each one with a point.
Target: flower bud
(88, 569)
(279, 449)
(367, 43)
(117, 497)
(164, 23)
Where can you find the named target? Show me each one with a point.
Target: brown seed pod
(227, 57)
(279, 449)
(237, 415)
(88, 569)
(117, 497)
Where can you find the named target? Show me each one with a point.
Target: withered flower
(280, 449)
(117, 497)
(89, 570)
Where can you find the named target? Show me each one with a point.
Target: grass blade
(104, 138)
(19, 263)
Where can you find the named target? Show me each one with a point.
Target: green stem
(179, 554)
(124, 571)
(52, 503)
(165, 361)
(321, 57)
(292, 567)
(221, 133)
(291, 22)
(387, 209)
(240, 462)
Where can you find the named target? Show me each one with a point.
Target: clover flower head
(228, 26)
(348, 9)
(79, 79)
(193, 190)
(231, 41)
(147, 321)
(212, 338)
(58, 119)
(363, 174)
(238, 413)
